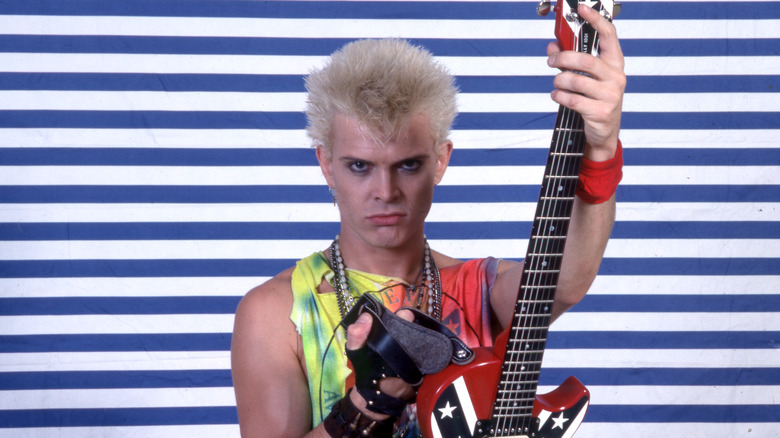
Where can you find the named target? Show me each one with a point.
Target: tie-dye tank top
(465, 310)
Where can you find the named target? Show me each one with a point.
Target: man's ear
(326, 165)
(443, 153)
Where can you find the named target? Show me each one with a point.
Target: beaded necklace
(431, 281)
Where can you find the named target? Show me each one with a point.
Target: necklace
(431, 281)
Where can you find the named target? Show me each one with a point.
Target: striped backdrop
(153, 168)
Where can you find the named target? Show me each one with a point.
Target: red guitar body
(460, 401)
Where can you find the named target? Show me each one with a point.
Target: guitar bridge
(487, 429)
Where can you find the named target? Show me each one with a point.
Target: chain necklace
(431, 281)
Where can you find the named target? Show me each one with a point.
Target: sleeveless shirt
(465, 310)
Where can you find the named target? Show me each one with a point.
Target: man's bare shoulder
(275, 293)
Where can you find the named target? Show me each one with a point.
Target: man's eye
(411, 165)
(358, 166)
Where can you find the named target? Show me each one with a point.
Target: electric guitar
(495, 395)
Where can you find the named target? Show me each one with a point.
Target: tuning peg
(616, 8)
(543, 8)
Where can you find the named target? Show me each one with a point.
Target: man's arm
(272, 391)
(598, 97)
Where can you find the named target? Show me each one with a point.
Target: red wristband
(599, 179)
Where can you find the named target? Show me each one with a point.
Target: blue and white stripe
(153, 168)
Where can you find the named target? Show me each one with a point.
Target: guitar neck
(527, 337)
(533, 309)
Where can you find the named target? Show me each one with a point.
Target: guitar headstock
(572, 31)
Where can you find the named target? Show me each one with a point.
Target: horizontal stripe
(338, 27)
(175, 431)
(534, 139)
(50, 36)
(312, 175)
(739, 427)
(319, 194)
(223, 323)
(268, 268)
(629, 339)
(227, 415)
(331, 9)
(664, 358)
(605, 341)
(301, 65)
(202, 397)
(314, 214)
(604, 359)
(216, 304)
(118, 305)
(325, 230)
(136, 287)
(83, 156)
(116, 324)
(295, 120)
(198, 101)
(674, 322)
(117, 417)
(153, 379)
(223, 396)
(652, 285)
(476, 247)
(549, 376)
(294, 83)
(683, 285)
(682, 414)
(117, 361)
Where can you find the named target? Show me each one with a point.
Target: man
(379, 114)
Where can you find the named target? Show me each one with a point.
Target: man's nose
(386, 186)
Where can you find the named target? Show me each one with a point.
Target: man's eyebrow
(420, 157)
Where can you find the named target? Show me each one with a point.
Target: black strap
(400, 348)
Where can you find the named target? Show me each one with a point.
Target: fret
(519, 373)
(567, 154)
(542, 271)
(547, 256)
(508, 411)
(529, 362)
(539, 352)
(532, 286)
(557, 129)
(528, 340)
(564, 198)
(546, 218)
(538, 328)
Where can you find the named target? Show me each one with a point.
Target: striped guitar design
(495, 395)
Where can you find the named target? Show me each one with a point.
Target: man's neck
(404, 262)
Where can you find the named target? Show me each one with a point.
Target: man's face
(384, 191)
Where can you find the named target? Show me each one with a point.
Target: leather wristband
(598, 180)
(346, 421)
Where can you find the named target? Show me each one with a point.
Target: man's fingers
(405, 314)
(357, 333)
(609, 46)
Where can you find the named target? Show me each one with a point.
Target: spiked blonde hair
(381, 83)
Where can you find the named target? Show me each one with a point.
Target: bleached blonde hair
(381, 83)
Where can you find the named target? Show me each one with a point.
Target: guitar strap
(399, 348)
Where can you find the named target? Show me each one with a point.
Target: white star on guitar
(447, 411)
(559, 422)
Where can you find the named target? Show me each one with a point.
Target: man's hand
(597, 96)
(357, 334)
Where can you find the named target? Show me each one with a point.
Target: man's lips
(385, 219)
